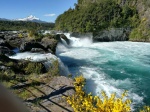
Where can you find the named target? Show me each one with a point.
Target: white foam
(63, 69)
(81, 53)
(102, 83)
(34, 56)
(100, 54)
(47, 60)
(61, 48)
(79, 42)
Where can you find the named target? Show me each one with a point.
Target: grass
(23, 93)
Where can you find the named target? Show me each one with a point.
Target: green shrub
(141, 33)
(54, 69)
(20, 35)
(83, 102)
(34, 68)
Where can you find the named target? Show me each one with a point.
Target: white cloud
(51, 15)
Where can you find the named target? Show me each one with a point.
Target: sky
(46, 10)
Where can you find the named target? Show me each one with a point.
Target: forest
(23, 25)
(97, 15)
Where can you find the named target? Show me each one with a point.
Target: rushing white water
(47, 60)
(112, 67)
(79, 42)
(34, 56)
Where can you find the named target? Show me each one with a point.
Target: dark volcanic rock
(114, 34)
(35, 50)
(21, 66)
(81, 35)
(6, 51)
(59, 36)
(28, 46)
(2, 36)
(14, 40)
(65, 38)
(5, 44)
(4, 59)
(50, 44)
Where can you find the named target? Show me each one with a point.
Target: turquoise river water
(110, 66)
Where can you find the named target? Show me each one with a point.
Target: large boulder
(2, 36)
(114, 34)
(81, 35)
(59, 36)
(6, 51)
(6, 64)
(28, 46)
(50, 44)
(65, 38)
(14, 40)
(5, 44)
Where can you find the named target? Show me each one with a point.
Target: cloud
(50, 15)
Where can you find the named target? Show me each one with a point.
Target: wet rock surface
(114, 34)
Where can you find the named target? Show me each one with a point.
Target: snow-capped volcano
(32, 19)
(29, 18)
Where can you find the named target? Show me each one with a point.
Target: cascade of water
(47, 60)
(79, 42)
(112, 67)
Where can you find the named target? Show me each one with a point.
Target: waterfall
(79, 42)
(46, 59)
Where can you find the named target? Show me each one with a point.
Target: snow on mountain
(31, 18)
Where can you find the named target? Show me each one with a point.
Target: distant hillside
(23, 25)
(98, 15)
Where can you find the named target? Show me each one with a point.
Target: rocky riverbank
(38, 83)
(113, 34)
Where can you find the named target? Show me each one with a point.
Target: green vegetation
(22, 25)
(25, 85)
(54, 68)
(83, 102)
(34, 68)
(26, 78)
(96, 15)
(141, 33)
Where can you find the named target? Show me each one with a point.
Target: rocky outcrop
(114, 34)
(52, 98)
(65, 38)
(50, 44)
(5, 47)
(38, 78)
(13, 38)
(6, 51)
(5, 43)
(21, 66)
(59, 36)
(28, 46)
(81, 35)
(46, 45)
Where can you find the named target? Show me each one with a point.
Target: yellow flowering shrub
(146, 109)
(82, 102)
